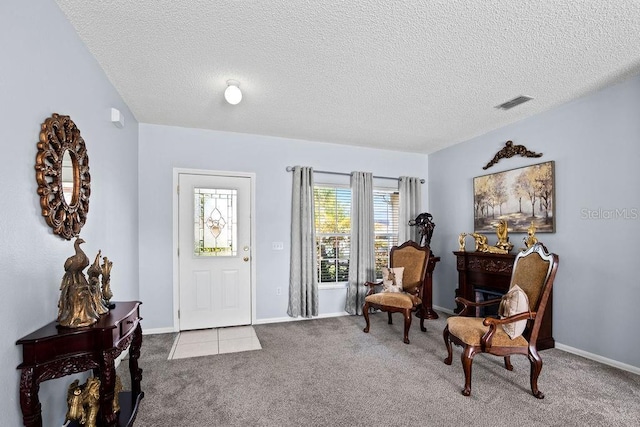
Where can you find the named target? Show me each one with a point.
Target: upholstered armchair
(403, 292)
(521, 312)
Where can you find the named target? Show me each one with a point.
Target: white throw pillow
(392, 279)
(514, 302)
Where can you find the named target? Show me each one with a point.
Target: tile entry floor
(207, 342)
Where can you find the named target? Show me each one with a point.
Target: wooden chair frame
(417, 292)
(534, 321)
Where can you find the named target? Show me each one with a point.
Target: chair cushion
(530, 273)
(394, 299)
(413, 260)
(392, 279)
(514, 302)
(470, 329)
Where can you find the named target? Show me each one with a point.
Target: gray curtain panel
(410, 192)
(303, 282)
(361, 258)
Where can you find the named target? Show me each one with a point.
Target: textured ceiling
(403, 75)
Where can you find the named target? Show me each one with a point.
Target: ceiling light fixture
(232, 93)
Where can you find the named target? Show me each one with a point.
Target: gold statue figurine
(502, 231)
(106, 281)
(461, 242)
(76, 307)
(483, 246)
(75, 406)
(531, 238)
(83, 402)
(116, 395)
(94, 285)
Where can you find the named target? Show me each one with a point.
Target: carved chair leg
(467, 361)
(365, 313)
(507, 363)
(407, 325)
(422, 328)
(536, 368)
(390, 320)
(447, 342)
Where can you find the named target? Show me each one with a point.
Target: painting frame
(519, 196)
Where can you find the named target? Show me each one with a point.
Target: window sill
(341, 285)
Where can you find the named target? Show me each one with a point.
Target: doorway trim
(176, 260)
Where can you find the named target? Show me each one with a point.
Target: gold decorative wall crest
(510, 150)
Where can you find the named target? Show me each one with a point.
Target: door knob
(245, 259)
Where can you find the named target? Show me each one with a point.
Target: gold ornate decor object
(531, 238)
(106, 282)
(83, 402)
(502, 230)
(117, 388)
(62, 174)
(461, 244)
(483, 246)
(503, 246)
(510, 150)
(82, 301)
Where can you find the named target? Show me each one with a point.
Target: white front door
(214, 238)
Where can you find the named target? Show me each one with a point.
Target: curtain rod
(290, 168)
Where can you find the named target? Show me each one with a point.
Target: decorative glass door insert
(215, 222)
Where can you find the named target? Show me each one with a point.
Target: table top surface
(107, 321)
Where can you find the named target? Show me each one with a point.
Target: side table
(54, 352)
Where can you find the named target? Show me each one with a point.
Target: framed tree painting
(519, 196)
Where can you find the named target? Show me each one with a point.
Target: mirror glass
(68, 177)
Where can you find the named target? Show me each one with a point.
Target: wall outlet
(278, 291)
(277, 246)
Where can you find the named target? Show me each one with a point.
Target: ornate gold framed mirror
(62, 173)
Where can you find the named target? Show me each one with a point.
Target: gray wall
(47, 69)
(163, 148)
(594, 143)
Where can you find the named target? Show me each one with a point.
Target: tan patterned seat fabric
(393, 299)
(470, 330)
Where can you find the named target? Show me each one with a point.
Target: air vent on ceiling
(514, 102)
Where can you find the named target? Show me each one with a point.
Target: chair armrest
(372, 284)
(493, 322)
(488, 321)
(469, 304)
(372, 287)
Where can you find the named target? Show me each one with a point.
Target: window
(333, 228)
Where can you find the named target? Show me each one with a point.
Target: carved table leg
(107, 385)
(134, 355)
(29, 402)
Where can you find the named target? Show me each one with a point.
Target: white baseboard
(296, 319)
(154, 331)
(597, 358)
(169, 330)
(446, 310)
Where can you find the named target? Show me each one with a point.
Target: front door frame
(176, 260)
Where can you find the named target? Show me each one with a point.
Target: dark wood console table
(492, 272)
(53, 352)
(425, 311)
